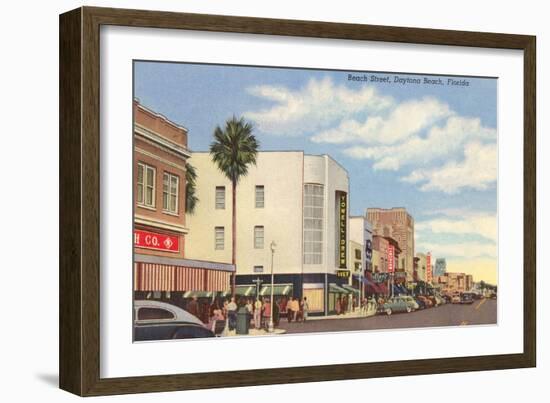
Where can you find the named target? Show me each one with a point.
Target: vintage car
(421, 302)
(426, 301)
(399, 304)
(455, 298)
(433, 299)
(155, 320)
(466, 298)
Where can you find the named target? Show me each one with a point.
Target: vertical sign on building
(342, 244)
(367, 245)
(429, 267)
(391, 258)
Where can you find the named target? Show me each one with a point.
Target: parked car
(466, 298)
(477, 295)
(432, 299)
(440, 300)
(426, 301)
(414, 305)
(447, 298)
(399, 304)
(455, 299)
(420, 302)
(155, 320)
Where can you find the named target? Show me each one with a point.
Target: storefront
(178, 280)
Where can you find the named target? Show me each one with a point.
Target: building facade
(440, 266)
(450, 283)
(360, 234)
(298, 202)
(161, 267)
(422, 267)
(398, 224)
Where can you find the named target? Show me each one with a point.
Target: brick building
(161, 270)
(398, 224)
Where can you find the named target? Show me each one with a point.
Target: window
(146, 185)
(258, 237)
(258, 269)
(259, 197)
(220, 197)
(313, 223)
(219, 238)
(170, 185)
(154, 314)
(357, 254)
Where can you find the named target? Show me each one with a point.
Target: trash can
(243, 321)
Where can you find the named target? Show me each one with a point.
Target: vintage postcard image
(272, 201)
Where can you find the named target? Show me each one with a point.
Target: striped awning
(162, 277)
(278, 289)
(334, 288)
(351, 289)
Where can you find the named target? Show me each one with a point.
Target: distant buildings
(421, 267)
(361, 249)
(398, 224)
(440, 267)
(450, 283)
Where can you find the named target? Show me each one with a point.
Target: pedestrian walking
(266, 312)
(276, 313)
(217, 319)
(295, 307)
(289, 310)
(283, 307)
(258, 313)
(305, 309)
(338, 306)
(232, 314)
(193, 307)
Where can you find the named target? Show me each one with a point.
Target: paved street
(480, 312)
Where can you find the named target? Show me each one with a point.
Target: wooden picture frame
(79, 348)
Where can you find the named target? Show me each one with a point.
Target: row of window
(219, 237)
(146, 188)
(313, 223)
(220, 197)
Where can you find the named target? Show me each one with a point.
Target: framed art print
(359, 198)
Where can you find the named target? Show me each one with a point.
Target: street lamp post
(273, 245)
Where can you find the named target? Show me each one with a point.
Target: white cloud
(317, 105)
(406, 119)
(481, 224)
(459, 249)
(439, 143)
(477, 171)
(445, 151)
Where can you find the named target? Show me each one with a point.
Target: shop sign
(429, 277)
(391, 258)
(152, 240)
(380, 277)
(342, 273)
(343, 213)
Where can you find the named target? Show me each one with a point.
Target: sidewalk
(349, 315)
(252, 332)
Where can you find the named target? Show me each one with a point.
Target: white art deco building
(296, 200)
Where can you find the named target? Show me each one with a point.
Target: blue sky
(428, 147)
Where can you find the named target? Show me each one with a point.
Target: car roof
(181, 315)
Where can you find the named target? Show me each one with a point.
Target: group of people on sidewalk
(223, 312)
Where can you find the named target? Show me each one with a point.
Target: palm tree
(234, 148)
(191, 198)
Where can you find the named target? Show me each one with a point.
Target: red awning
(162, 277)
